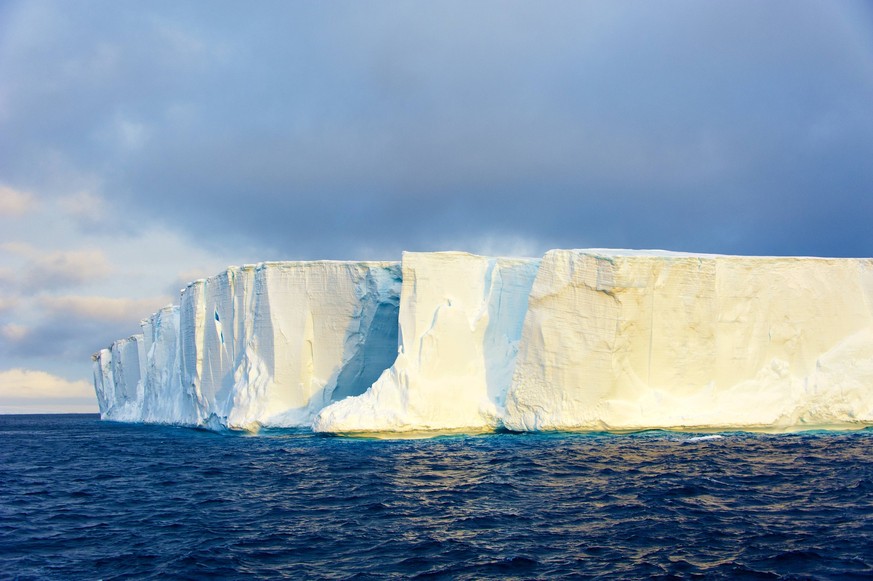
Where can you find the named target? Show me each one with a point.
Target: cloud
(7, 303)
(86, 208)
(185, 277)
(14, 332)
(506, 245)
(32, 391)
(70, 328)
(15, 203)
(32, 383)
(42, 270)
(9, 282)
(114, 310)
(321, 131)
(574, 124)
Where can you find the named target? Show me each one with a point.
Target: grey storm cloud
(318, 129)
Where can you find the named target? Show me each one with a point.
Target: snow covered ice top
(578, 340)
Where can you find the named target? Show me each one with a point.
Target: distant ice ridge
(578, 340)
(265, 345)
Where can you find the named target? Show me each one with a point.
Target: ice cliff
(460, 323)
(629, 340)
(577, 340)
(270, 344)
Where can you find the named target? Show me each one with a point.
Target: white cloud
(7, 303)
(57, 269)
(14, 203)
(30, 391)
(14, 332)
(28, 383)
(119, 310)
(188, 276)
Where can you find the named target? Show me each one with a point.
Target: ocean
(85, 499)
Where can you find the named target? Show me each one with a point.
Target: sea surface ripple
(85, 499)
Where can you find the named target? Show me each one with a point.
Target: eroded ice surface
(460, 322)
(621, 340)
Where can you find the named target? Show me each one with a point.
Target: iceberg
(460, 322)
(583, 340)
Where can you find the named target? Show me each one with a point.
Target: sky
(147, 144)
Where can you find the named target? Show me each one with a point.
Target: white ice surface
(117, 379)
(165, 399)
(104, 383)
(460, 321)
(625, 341)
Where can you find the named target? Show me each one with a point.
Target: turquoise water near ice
(85, 499)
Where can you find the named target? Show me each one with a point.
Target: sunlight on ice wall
(580, 340)
(460, 321)
(622, 341)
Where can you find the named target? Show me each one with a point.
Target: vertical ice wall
(623, 340)
(273, 344)
(164, 398)
(256, 345)
(104, 384)
(127, 359)
(117, 379)
(216, 315)
(460, 321)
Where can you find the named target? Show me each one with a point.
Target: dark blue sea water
(84, 499)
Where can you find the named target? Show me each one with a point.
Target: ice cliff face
(258, 345)
(580, 340)
(273, 345)
(460, 322)
(625, 341)
(118, 379)
(165, 398)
